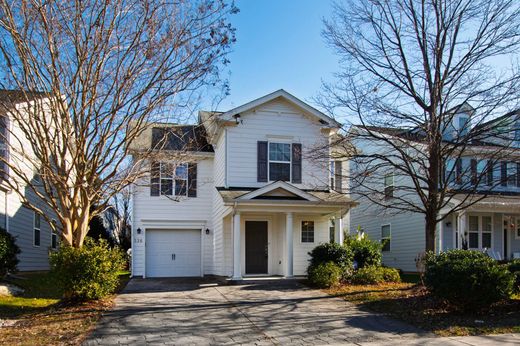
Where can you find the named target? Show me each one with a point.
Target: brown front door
(256, 247)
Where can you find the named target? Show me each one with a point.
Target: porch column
(237, 271)
(289, 243)
(441, 235)
(338, 229)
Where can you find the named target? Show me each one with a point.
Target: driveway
(182, 312)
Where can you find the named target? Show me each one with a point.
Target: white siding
(276, 119)
(149, 210)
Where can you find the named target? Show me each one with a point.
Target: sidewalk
(482, 340)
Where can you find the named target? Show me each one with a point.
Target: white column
(441, 235)
(289, 244)
(338, 229)
(237, 271)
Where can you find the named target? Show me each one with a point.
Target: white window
(173, 179)
(389, 186)
(279, 161)
(386, 235)
(54, 240)
(36, 229)
(4, 147)
(307, 231)
(480, 232)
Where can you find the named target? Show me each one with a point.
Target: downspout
(6, 212)
(226, 161)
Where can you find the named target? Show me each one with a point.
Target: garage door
(173, 253)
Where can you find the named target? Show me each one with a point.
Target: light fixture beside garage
(207, 230)
(139, 231)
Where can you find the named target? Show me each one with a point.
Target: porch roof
(284, 193)
(493, 203)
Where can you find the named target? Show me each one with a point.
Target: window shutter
(458, 176)
(338, 165)
(490, 167)
(296, 163)
(192, 180)
(518, 174)
(503, 173)
(473, 168)
(262, 162)
(155, 179)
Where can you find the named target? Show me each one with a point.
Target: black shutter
(503, 173)
(458, 168)
(338, 176)
(155, 185)
(473, 168)
(262, 162)
(296, 163)
(490, 173)
(192, 180)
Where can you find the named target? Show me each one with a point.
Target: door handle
(173, 257)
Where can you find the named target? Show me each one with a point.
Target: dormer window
(463, 125)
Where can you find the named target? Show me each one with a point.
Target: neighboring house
(490, 220)
(247, 199)
(33, 235)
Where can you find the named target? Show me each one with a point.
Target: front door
(256, 247)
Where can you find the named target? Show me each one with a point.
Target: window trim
(480, 230)
(392, 186)
(37, 228)
(54, 248)
(517, 223)
(313, 232)
(173, 179)
(269, 161)
(389, 238)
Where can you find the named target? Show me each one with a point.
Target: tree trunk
(430, 228)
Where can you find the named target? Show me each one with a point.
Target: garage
(173, 252)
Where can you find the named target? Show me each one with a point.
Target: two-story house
(483, 182)
(239, 193)
(33, 235)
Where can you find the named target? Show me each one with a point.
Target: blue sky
(279, 46)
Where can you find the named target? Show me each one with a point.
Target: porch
(273, 228)
(491, 225)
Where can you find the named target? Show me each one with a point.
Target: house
(33, 235)
(240, 193)
(485, 185)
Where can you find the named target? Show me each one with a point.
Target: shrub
(469, 280)
(325, 275)
(90, 272)
(331, 252)
(366, 252)
(8, 253)
(514, 268)
(371, 275)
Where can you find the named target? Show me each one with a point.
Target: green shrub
(514, 268)
(325, 275)
(366, 252)
(331, 252)
(8, 253)
(90, 272)
(469, 280)
(371, 275)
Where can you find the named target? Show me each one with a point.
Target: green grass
(40, 293)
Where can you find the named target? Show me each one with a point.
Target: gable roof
(325, 119)
(14, 96)
(293, 190)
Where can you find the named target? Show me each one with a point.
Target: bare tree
(93, 76)
(409, 70)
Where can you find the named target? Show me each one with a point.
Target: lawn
(42, 319)
(410, 302)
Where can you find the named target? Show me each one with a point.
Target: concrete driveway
(182, 312)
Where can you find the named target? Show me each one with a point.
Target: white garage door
(173, 253)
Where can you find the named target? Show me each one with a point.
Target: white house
(250, 198)
(33, 235)
(490, 218)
